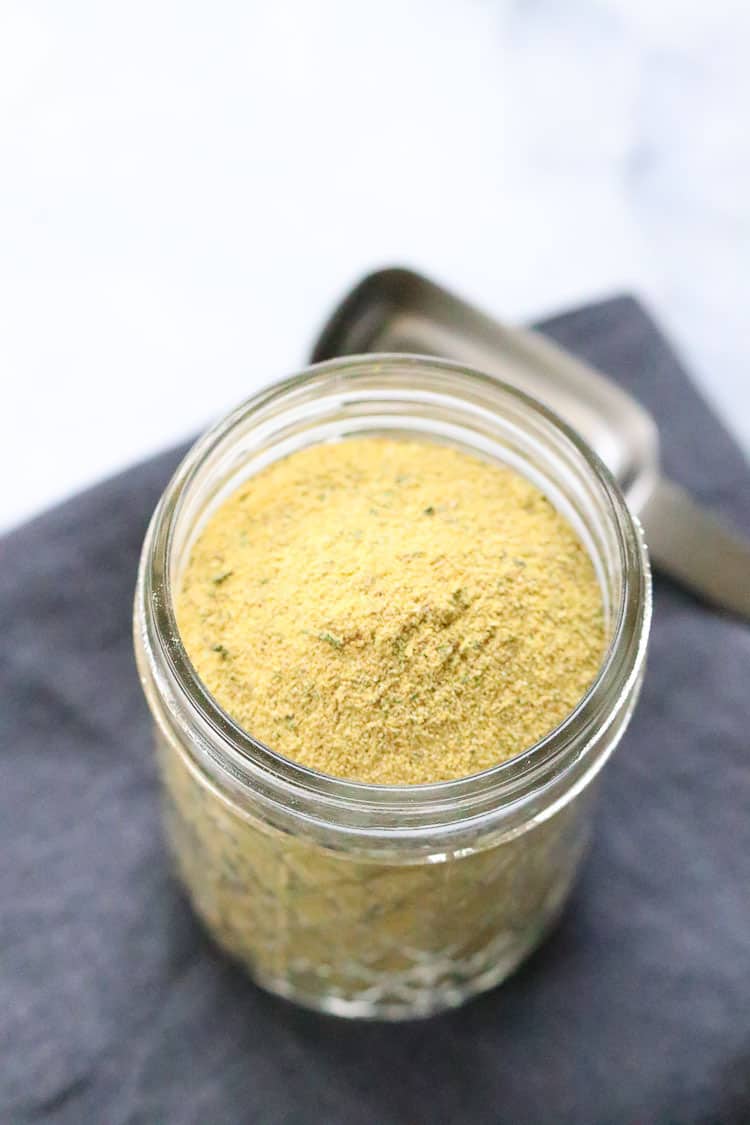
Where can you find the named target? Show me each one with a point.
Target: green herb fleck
(219, 578)
(429, 511)
(331, 639)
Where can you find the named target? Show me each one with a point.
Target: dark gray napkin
(114, 1006)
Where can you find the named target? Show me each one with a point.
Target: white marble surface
(186, 189)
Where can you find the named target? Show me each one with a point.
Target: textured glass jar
(365, 900)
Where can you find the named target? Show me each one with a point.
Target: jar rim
(253, 764)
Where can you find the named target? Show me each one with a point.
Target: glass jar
(367, 900)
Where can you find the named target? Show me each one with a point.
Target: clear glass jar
(366, 900)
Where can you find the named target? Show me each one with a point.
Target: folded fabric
(115, 1006)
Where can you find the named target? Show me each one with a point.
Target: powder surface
(392, 611)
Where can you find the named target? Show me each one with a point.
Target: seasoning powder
(392, 611)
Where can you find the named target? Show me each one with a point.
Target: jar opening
(433, 400)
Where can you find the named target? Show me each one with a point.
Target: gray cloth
(116, 1008)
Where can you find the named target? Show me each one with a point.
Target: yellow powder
(392, 611)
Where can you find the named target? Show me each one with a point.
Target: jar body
(383, 901)
(360, 936)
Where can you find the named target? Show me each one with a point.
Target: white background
(185, 189)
